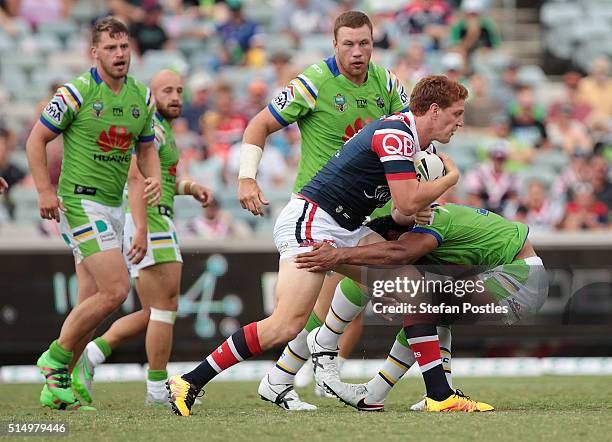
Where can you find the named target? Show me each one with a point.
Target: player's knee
(289, 330)
(117, 292)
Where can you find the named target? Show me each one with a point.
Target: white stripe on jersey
(391, 131)
(394, 158)
(148, 99)
(309, 83)
(304, 93)
(76, 92)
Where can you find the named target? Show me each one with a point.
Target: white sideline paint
(351, 369)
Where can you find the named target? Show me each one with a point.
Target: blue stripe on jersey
(95, 75)
(76, 98)
(308, 87)
(406, 109)
(145, 139)
(159, 117)
(431, 232)
(277, 115)
(298, 226)
(333, 66)
(49, 126)
(85, 230)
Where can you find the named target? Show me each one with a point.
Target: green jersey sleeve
(299, 98)
(148, 130)
(61, 110)
(440, 225)
(397, 92)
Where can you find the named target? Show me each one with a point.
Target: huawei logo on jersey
(172, 169)
(351, 131)
(115, 138)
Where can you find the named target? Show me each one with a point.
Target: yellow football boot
(182, 395)
(457, 402)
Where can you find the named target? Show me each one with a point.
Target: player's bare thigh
(109, 272)
(296, 293)
(86, 283)
(356, 273)
(159, 285)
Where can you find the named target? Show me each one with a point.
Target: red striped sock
(241, 345)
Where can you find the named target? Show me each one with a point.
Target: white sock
(342, 311)
(400, 359)
(293, 358)
(444, 334)
(94, 354)
(157, 389)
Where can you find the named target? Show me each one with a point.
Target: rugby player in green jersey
(157, 277)
(515, 280)
(330, 101)
(102, 115)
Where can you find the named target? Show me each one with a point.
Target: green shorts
(89, 227)
(521, 286)
(162, 243)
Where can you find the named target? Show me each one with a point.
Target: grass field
(542, 408)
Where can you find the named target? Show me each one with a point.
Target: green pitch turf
(543, 408)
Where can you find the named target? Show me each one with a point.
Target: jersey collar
(97, 78)
(332, 65)
(159, 117)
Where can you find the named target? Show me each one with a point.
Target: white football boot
(283, 395)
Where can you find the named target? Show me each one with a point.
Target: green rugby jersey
(471, 236)
(168, 158)
(100, 130)
(330, 109)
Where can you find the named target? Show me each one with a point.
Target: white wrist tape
(250, 156)
(184, 187)
(166, 316)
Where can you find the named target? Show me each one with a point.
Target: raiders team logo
(135, 111)
(340, 102)
(97, 107)
(380, 102)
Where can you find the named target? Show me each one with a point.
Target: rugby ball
(428, 166)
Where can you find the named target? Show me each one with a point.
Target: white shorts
(89, 227)
(302, 223)
(521, 286)
(162, 243)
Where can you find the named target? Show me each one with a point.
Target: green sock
(103, 346)
(401, 338)
(353, 292)
(313, 322)
(157, 375)
(57, 352)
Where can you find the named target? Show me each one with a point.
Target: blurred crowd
(532, 149)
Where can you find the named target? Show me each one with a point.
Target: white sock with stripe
(400, 359)
(293, 358)
(347, 303)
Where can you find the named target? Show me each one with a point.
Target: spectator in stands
(474, 30)
(480, 109)
(536, 209)
(303, 17)
(596, 88)
(381, 34)
(520, 153)
(8, 171)
(257, 98)
(36, 12)
(429, 17)
(128, 11)
(149, 34)
(577, 171)
(453, 66)
(505, 90)
(199, 85)
(600, 180)
(236, 34)
(189, 144)
(223, 126)
(567, 134)
(527, 118)
(490, 185)
(272, 172)
(584, 211)
(411, 65)
(216, 223)
(580, 109)
(281, 72)
(7, 17)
